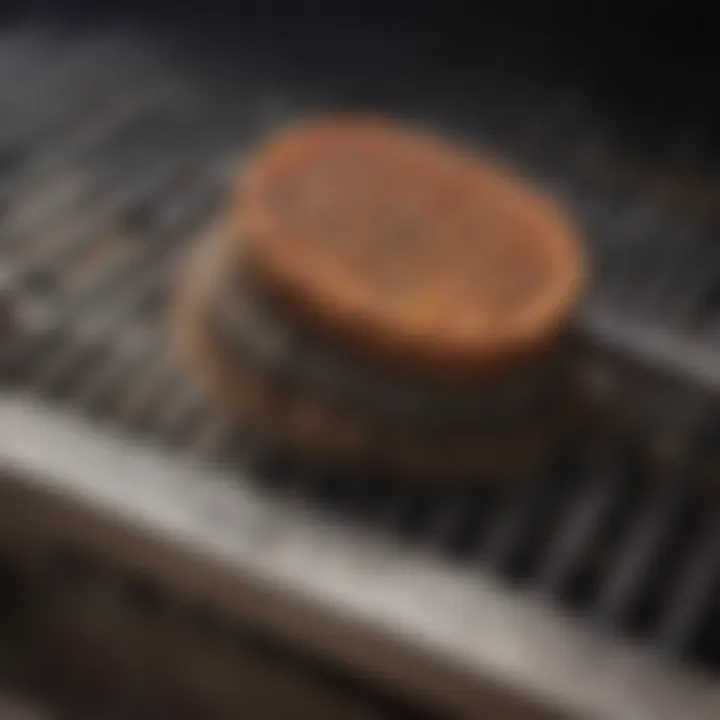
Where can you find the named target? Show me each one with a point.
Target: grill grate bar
(695, 591)
(185, 403)
(456, 524)
(640, 551)
(100, 382)
(150, 382)
(87, 231)
(511, 523)
(214, 435)
(582, 525)
(113, 294)
(60, 366)
(82, 138)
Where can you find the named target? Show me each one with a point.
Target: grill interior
(116, 143)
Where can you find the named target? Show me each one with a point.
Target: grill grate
(113, 156)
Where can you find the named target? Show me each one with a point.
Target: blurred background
(140, 530)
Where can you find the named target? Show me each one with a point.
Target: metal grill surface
(115, 149)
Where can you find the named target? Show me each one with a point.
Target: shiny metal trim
(449, 635)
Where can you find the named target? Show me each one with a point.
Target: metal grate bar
(579, 529)
(695, 591)
(640, 551)
(110, 298)
(511, 524)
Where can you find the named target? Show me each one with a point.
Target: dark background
(656, 60)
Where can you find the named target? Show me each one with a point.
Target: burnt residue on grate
(114, 152)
